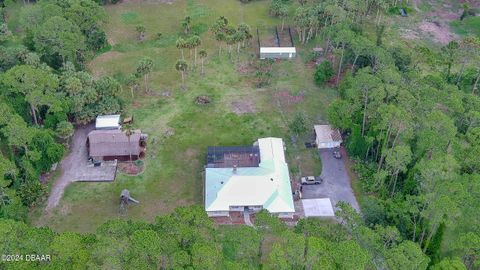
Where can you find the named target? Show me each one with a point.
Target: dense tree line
(412, 119)
(188, 239)
(44, 91)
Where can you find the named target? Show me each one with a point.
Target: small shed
(327, 137)
(277, 52)
(115, 144)
(108, 122)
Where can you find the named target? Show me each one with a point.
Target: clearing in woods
(179, 129)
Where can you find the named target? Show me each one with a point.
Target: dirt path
(77, 157)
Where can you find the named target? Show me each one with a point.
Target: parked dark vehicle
(403, 12)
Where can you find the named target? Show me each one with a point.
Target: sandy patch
(286, 98)
(245, 68)
(408, 34)
(439, 33)
(130, 168)
(243, 106)
(191, 153)
(65, 210)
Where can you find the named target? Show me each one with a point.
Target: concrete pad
(318, 207)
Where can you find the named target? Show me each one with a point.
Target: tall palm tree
(246, 32)
(131, 81)
(194, 42)
(181, 44)
(182, 66)
(186, 24)
(144, 67)
(203, 55)
(128, 130)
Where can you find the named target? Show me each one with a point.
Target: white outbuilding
(108, 121)
(277, 52)
(327, 137)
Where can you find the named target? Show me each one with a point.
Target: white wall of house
(218, 213)
(237, 208)
(250, 207)
(277, 52)
(285, 215)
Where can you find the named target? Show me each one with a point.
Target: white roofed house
(327, 137)
(107, 122)
(250, 178)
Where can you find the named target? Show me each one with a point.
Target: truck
(311, 180)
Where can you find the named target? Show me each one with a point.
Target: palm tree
(181, 44)
(186, 23)
(141, 31)
(230, 40)
(220, 37)
(246, 32)
(238, 38)
(194, 42)
(218, 29)
(144, 67)
(131, 81)
(128, 130)
(203, 55)
(182, 66)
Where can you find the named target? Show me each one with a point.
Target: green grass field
(469, 26)
(174, 164)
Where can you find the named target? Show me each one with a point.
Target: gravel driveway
(77, 158)
(336, 182)
(74, 167)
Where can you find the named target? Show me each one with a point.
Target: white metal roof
(277, 50)
(267, 185)
(326, 134)
(108, 121)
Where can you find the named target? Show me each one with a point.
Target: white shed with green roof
(266, 186)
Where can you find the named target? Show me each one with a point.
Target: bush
(373, 211)
(298, 125)
(323, 72)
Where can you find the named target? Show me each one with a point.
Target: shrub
(323, 72)
(298, 125)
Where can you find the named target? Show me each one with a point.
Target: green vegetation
(179, 129)
(41, 89)
(467, 26)
(409, 113)
(323, 72)
(188, 239)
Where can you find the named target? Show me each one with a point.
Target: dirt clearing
(440, 33)
(243, 106)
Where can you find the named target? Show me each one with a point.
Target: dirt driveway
(336, 181)
(74, 167)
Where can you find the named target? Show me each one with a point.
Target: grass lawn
(468, 26)
(174, 163)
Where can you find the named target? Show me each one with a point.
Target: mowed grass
(174, 163)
